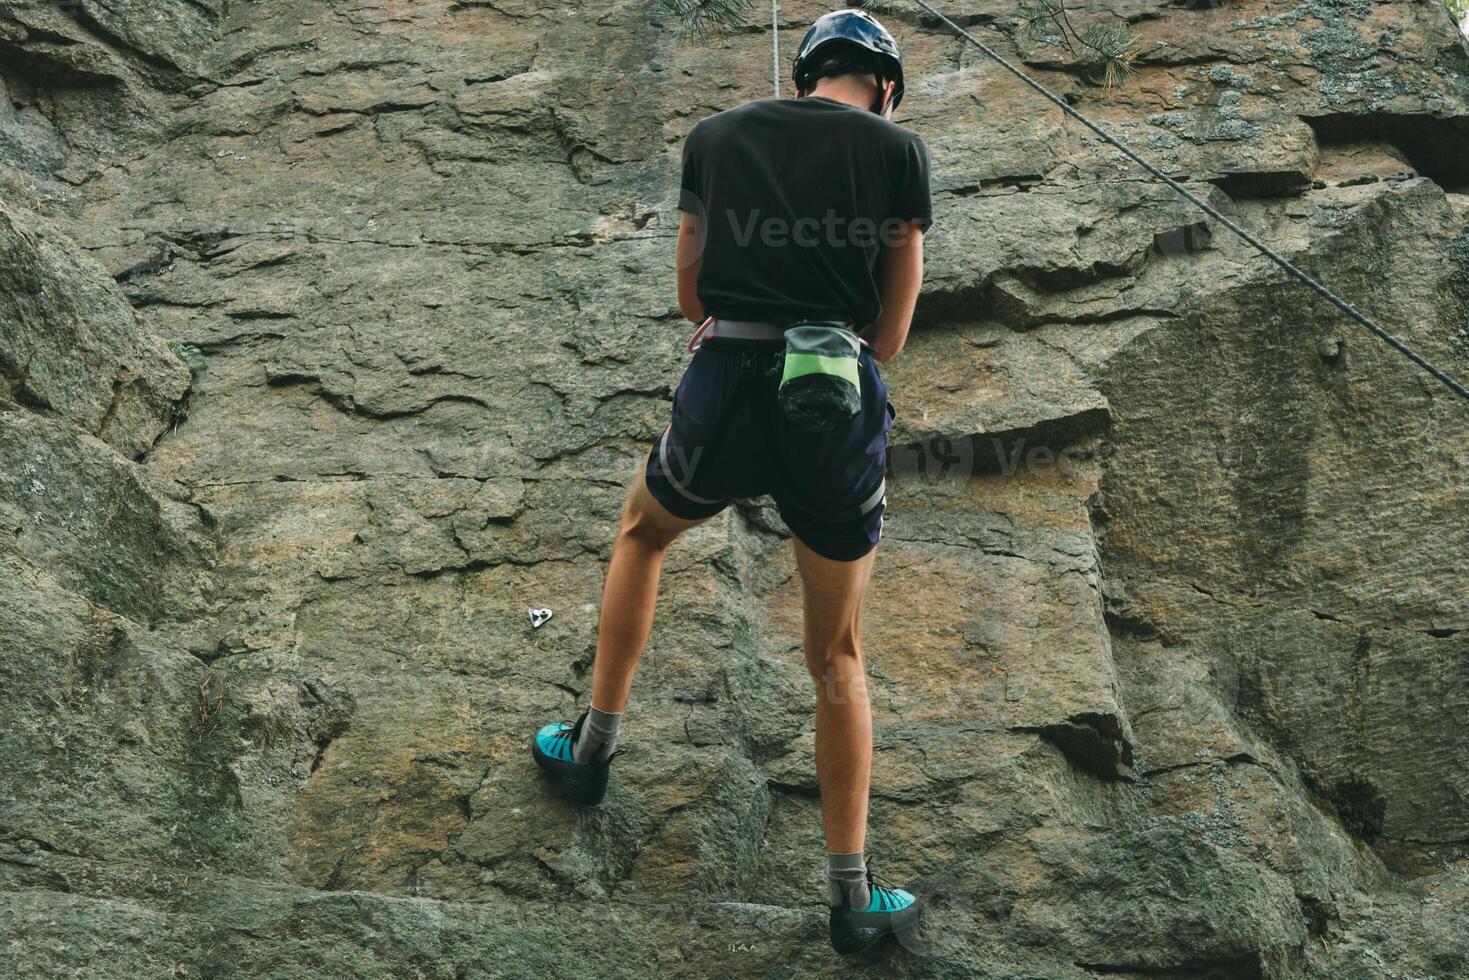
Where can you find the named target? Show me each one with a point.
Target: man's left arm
(901, 260)
(902, 276)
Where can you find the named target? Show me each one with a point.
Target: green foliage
(1039, 23)
(701, 19)
(1044, 21)
(192, 356)
(1117, 46)
(1113, 46)
(1459, 8)
(1049, 22)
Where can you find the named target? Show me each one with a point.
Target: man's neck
(847, 91)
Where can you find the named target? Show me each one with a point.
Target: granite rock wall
(331, 331)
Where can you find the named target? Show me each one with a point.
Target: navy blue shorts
(728, 440)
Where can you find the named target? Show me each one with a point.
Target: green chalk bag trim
(845, 368)
(821, 381)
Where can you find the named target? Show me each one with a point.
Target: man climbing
(802, 231)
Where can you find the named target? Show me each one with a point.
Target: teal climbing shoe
(890, 912)
(584, 783)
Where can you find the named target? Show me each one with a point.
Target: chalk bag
(820, 384)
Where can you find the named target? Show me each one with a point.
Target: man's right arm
(689, 251)
(688, 255)
(902, 275)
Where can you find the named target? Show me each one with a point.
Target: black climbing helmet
(849, 27)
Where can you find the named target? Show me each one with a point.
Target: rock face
(1169, 640)
(72, 345)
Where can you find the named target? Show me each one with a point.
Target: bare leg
(631, 592)
(833, 592)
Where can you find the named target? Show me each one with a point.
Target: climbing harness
(820, 383)
(769, 417)
(1213, 212)
(735, 330)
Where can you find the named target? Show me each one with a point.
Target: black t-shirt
(796, 198)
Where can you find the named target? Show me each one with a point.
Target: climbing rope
(775, 44)
(1265, 250)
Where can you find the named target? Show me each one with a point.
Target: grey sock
(598, 736)
(846, 880)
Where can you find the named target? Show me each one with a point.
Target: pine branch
(1039, 17)
(1049, 22)
(1117, 47)
(703, 19)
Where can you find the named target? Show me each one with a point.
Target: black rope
(1266, 250)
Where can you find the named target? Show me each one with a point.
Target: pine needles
(1114, 46)
(1049, 22)
(1117, 48)
(703, 19)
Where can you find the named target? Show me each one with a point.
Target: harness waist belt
(755, 330)
(758, 329)
(744, 330)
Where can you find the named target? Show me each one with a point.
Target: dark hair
(841, 58)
